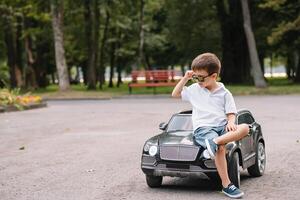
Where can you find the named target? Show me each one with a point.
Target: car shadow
(189, 184)
(196, 184)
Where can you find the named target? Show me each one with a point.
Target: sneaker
(233, 191)
(212, 147)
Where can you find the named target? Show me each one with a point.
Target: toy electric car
(174, 153)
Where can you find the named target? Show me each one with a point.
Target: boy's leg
(241, 131)
(221, 164)
(204, 133)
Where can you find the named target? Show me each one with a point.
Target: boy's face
(204, 79)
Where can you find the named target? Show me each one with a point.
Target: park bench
(153, 79)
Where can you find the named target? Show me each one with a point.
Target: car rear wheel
(234, 170)
(154, 181)
(258, 168)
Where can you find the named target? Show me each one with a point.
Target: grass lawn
(277, 86)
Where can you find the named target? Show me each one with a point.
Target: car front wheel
(233, 169)
(154, 181)
(258, 168)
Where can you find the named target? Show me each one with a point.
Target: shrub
(13, 98)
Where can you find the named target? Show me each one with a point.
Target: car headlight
(206, 154)
(153, 150)
(147, 147)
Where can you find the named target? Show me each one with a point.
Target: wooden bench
(153, 79)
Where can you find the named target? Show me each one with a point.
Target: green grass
(276, 86)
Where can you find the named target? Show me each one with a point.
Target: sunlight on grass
(277, 86)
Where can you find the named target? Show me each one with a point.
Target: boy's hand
(231, 126)
(188, 75)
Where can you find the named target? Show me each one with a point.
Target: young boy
(213, 115)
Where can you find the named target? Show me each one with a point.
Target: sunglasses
(200, 79)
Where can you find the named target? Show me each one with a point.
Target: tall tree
(57, 25)
(192, 28)
(141, 57)
(285, 32)
(13, 42)
(103, 45)
(257, 74)
(235, 57)
(92, 33)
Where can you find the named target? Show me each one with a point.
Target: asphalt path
(92, 150)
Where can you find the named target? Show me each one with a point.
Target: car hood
(177, 138)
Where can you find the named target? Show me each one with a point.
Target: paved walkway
(91, 150)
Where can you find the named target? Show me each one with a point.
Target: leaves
(287, 27)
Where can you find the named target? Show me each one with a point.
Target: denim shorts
(202, 133)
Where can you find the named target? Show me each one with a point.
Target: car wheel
(154, 181)
(234, 170)
(258, 168)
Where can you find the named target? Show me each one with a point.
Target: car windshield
(180, 122)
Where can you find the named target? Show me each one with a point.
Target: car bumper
(151, 167)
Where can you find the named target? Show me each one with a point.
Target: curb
(133, 96)
(27, 107)
(146, 96)
(76, 99)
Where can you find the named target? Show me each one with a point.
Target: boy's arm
(231, 126)
(178, 88)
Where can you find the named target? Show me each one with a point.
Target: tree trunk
(147, 62)
(112, 64)
(19, 51)
(90, 28)
(10, 41)
(182, 69)
(119, 63)
(118, 60)
(103, 43)
(96, 35)
(84, 72)
(290, 66)
(235, 56)
(297, 66)
(57, 25)
(30, 72)
(257, 74)
(141, 59)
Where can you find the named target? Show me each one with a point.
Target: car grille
(178, 152)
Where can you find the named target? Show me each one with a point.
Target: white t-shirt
(209, 108)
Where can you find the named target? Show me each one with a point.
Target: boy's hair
(208, 62)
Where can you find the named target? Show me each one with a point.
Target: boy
(213, 114)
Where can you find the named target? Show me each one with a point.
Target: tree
(285, 32)
(257, 74)
(192, 28)
(13, 44)
(57, 24)
(103, 45)
(235, 57)
(92, 36)
(141, 57)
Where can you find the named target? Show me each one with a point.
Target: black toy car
(174, 153)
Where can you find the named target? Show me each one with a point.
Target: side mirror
(163, 126)
(253, 129)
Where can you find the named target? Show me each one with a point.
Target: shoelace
(232, 187)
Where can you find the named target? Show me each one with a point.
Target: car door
(247, 147)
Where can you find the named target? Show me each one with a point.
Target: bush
(4, 75)
(13, 98)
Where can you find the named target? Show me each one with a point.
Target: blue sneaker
(212, 147)
(233, 191)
